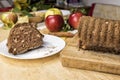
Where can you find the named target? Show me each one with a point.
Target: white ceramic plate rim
(65, 12)
(57, 42)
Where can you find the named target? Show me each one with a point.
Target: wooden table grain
(49, 68)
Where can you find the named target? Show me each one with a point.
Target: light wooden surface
(107, 11)
(90, 60)
(49, 68)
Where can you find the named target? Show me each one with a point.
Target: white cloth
(6, 3)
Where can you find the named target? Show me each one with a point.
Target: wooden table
(49, 68)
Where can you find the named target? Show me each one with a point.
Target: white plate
(1, 24)
(64, 12)
(51, 46)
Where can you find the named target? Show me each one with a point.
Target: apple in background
(9, 17)
(53, 11)
(74, 18)
(54, 23)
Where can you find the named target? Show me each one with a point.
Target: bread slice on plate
(24, 37)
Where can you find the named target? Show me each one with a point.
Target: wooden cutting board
(59, 34)
(89, 60)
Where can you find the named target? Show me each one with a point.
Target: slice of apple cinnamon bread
(23, 37)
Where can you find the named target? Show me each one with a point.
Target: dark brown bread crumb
(23, 37)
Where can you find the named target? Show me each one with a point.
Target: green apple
(53, 11)
(9, 17)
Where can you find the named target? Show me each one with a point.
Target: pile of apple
(55, 22)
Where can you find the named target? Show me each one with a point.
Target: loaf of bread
(24, 37)
(99, 34)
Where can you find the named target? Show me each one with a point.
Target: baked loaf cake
(99, 34)
(24, 37)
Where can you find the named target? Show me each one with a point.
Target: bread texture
(23, 37)
(99, 34)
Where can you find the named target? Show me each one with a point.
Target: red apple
(54, 23)
(74, 19)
